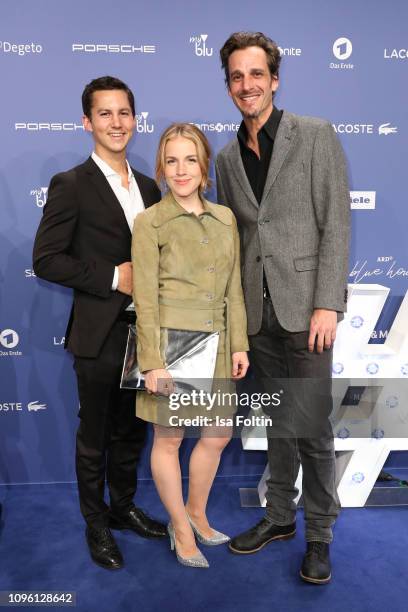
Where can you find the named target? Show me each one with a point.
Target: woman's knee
(167, 439)
(215, 441)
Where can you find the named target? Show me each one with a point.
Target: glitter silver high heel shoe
(215, 540)
(197, 561)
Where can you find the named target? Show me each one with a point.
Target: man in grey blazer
(285, 178)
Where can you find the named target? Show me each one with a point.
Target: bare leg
(204, 462)
(166, 472)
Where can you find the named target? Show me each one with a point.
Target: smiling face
(111, 123)
(182, 170)
(251, 85)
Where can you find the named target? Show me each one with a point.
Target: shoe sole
(142, 535)
(315, 580)
(286, 536)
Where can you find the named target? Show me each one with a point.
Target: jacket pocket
(302, 264)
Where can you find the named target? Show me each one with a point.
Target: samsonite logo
(362, 200)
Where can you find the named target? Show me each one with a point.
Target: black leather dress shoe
(103, 548)
(261, 534)
(138, 521)
(316, 563)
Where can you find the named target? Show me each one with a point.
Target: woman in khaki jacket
(185, 254)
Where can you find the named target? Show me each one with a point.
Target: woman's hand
(240, 365)
(159, 382)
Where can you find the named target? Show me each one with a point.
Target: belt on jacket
(201, 317)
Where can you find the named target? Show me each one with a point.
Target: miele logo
(112, 48)
(362, 200)
(200, 45)
(396, 54)
(48, 127)
(40, 196)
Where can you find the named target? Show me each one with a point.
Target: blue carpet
(42, 547)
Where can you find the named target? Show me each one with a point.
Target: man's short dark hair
(104, 83)
(243, 40)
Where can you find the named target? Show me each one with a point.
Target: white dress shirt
(130, 199)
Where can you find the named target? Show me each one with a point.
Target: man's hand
(125, 278)
(240, 365)
(322, 329)
(159, 382)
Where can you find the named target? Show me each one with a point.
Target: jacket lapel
(284, 140)
(238, 169)
(104, 190)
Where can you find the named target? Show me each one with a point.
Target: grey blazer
(300, 231)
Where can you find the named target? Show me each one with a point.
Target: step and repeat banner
(346, 62)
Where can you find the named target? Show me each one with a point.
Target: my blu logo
(200, 45)
(142, 125)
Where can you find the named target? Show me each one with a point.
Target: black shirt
(257, 169)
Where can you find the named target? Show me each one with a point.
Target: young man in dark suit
(84, 242)
(285, 178)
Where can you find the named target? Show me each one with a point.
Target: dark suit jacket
(82, 236)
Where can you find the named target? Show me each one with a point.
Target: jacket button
(204, 241)
(211, 269)
(258, 258)
(210, 296)
(208, 322)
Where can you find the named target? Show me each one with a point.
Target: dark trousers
(281, 361)
(110, 437)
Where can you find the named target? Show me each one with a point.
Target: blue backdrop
(344, 61)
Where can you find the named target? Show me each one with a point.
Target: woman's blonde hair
(191, 132)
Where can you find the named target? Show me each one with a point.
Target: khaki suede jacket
(186, 272)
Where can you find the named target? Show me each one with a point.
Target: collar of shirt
(107, 170)
(269, 128)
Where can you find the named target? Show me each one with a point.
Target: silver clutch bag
(190, 358)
